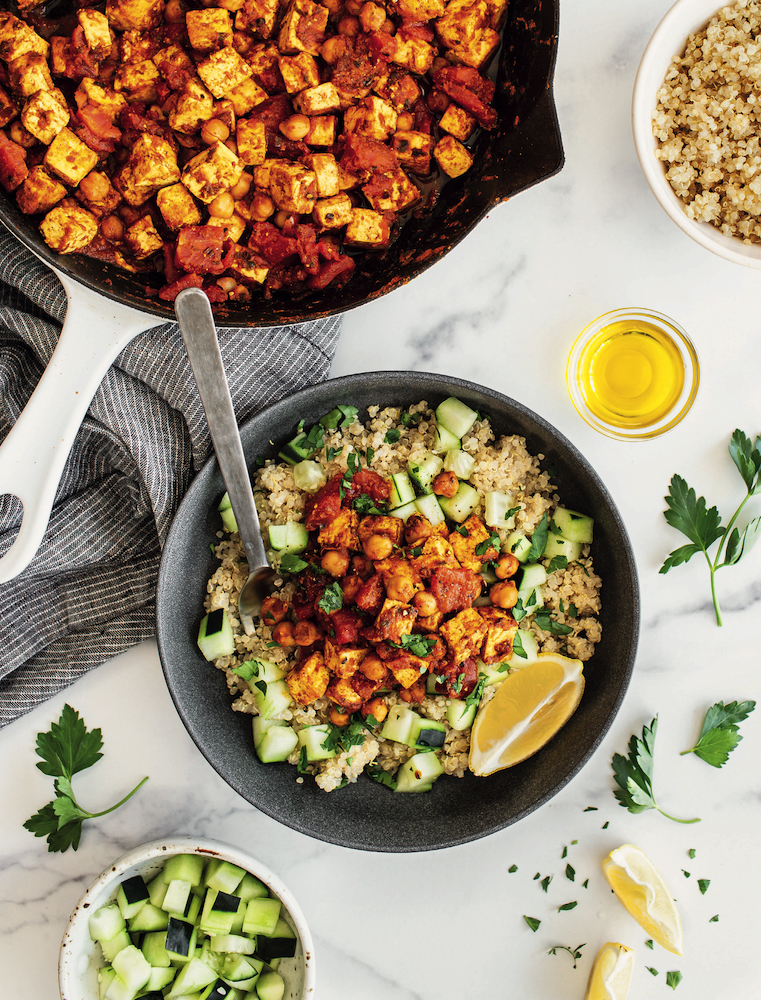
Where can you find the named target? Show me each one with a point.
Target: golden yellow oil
(631, 374)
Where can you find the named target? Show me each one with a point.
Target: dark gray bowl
(366, 815)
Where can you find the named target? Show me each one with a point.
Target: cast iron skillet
(524, 149)
(365, 815)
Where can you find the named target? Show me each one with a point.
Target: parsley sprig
(702, 525)
(67, 748)
(575, 953)
(719, 735)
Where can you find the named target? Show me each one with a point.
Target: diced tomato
(273, 111)
(416, 30)
(98, 122)
(470, 90)
(455, 588)
(13, 168)
(365, 481)
(371, 594)
(364, 156)
(269, 241)
(200, 249)
(341, 268)
(323, 506)
(345, 623)
(170, 292)
(214, 293)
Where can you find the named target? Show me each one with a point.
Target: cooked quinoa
(572, 594)
(708, 122)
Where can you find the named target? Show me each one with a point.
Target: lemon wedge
(611, 974)
(528, 708)
(640, 887)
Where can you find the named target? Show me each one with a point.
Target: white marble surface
(502, 309)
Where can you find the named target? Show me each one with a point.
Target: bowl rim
(204, 846)
(668, 40)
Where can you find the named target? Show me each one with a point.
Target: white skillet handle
(33, 454)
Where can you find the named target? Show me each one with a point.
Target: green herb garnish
(518, 649)
(714, 919)
(247, 670)
(691, 853)
(377, 773)
(557, 562)
(332, 598)
(366, 505)
(392, 435)
(341, 416)
(703, 884)
(538, 540)
(548, 624)
(567, 906)
(290, 563)
(673, 979)
(570, 873)
(575, 953)
(512, 869)
(649, 944)
(331, 453)
(533, 923)
(492, 542)
(418, 645)
(545, 882)
(719, 735)
(653, 972)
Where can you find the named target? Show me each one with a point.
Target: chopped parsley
(557, 562)
(418, 645)
(247, 670)
(533, 922)
(392, 435)
(492, 542)
(332, 453)
(291, 563)
(570, 873)
(410, 419)
(545, 882)
(673, 979)
(332, 598)
(512, 868)
(568, 906)
(377, 773)
(345, 737)
(366, 505)
(703, 884)
(341, 416)
(548, 624)
(538, 540)
(518, 649)
(575, 953)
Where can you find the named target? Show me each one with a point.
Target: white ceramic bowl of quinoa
(79, 957)
(710, 148)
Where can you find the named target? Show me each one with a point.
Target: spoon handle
(193, 311)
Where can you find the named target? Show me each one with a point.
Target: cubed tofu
(175, 66)
(464, 634)
(500, 633)
(347, 180)
(414, 55)
(152, 165)
(258, 17)
(43, 116)
(293, 187)
(322, 131)
(407, 669)
(417, 10)
(251, 140)
(68, 227)
(413, 150)
(195, 105)
(497, 13)
(341, 692)
(69, 158)
(318, 100)
(299, 72)
(17, 38)
(140, 15)
(214, 170)
(437, 552)
(453, 158)
(465, 29)
(60, 56)
(246, 96)
(400, 89)
(367, 229)
(29, 73)
(478, 50)
(223, 71)
(457, 122)
(224, 111)
(106, 99)
(233, 228)
(392, 192)
(135, 46)
(246, 267)
(303, 27)
(143, 239)
(209, 29)
(39, 192)
(381, 524)
(137, 81)
(396, 619)
(327, 180)
(8, 110)
(308, 680)
(97, 194)
(343, 661)
(177, 207)
(372, 117)
(341, 532)
(471, 535)
(98, 35)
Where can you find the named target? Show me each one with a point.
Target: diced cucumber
(262, 670)
(428, 733)
(157, 890)
(226, 512)
(494, 673)
(119, 990)
(219, 912)
(196, 975)
(106, 976)
(309, 476)
(251, 888)
(280, 944)
(106, 922)
(496, 506)
(219, 990)
(149, 918)
(525, 648)
(226, 878)
(215, 635)
(114, 945)
(132, 896)
(575, 527)
(453, 414)
(261, 916)
(462, 504)
(233, 944)
(313, 737)
(177, 894)
(289, 537)
(270, 986)
(418, 773)
(399, 724)
(272, 697)
(154, 949)
(558, 546)
(531, 599)
(302, 446)
(274, 739)
(131, 967)
(402, 490)
(533, 575)
(459, 462)
(181, 940)
(444, 441)
(422, 471)
(405, 510)
(459, 715)
(188, 867)
(430, 507)
(518, 545)
(241, 970)
(158, 979)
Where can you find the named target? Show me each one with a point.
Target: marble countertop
(502, 309)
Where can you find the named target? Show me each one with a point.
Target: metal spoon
(193, 311)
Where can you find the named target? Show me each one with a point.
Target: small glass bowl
(674, 357)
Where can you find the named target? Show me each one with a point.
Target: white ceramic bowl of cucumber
(187, 917)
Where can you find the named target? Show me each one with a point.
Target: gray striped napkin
(89, 593)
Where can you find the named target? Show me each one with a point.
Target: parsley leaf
(634, 775)
(392, 435)
(418, 645)
(719, 735)
(341, 416)
(67, 748)
(567, 906)
(538, 539)
(332, 598)
(703, 884)
(290, 563)
(377, 773)
(548, 624)
(518, 649)
(570, 873)
(492, 542)
(410, 419)
(545, 883)
(533, 923)
(575, 953)
(651, 970)
(557, 562)
(331, 453)
(366, 505)
(673, 979)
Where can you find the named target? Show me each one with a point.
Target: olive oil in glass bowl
(633, 374)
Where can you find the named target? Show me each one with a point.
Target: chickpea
(362, 566)
(375, 707)
(373, 667)
(223, 206)
(214, 130)
(414, 693)
(240, 294)
(129, 214)
(283, 634)
(232, 145)
(241, 189)
(445, 484)
(335, 562)
(378, 547)
(371, 16)
(335, 7)
(353, 7)
(94, 186)
(350, 586)
(506, 566)
(388, 27)
(173, 12)
(425, 603)
(262, 207)
(404, 122)
(439, 63)
(112, 228)
(296, 127)
(504, 595)
(337, 717)
(227, 284)
(348, 26)
(282, 218)
(305, 633)
(273, 610)
(20, 135)
(242, 43)
(331, 49)
(401, 588)
(437, 101)
(417, 528)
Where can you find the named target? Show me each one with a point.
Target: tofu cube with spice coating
(8, 110)
(177, 207)
(407, 669)
(39, 192)
(209, 29)
(293, 187)
(367, 229)
(474, 535)
(152, 165)
(325, 168)
(497, 13)
(98, 35)
(414, 54)
(29, 73)
(105, 98)
(466, 31)
(318, 100)
(212, 171)
(322, 131)
(394, 620)
(343, 661)
(245, 266)
(417, 10)
(143, 239)
(464, 634)
(69, 158)
(341, 532)
(233, 228)
(457, 122)
(303, 27)
(453, 158)
(134, 46)
(246, 96)
(299, 72)
(251, 140)
(195, 105)
(258, 17)
(500, 633)
(308, 680)
(341, 692)
(223, 71)
(413, 150)
(43, 116)
(68, 227)
(372, 117)
(392, 192)
(17, 38)
(137, 81)
(139, 15)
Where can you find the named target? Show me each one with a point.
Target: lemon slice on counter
(640, 887)
(528, 708)
(611, 974)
